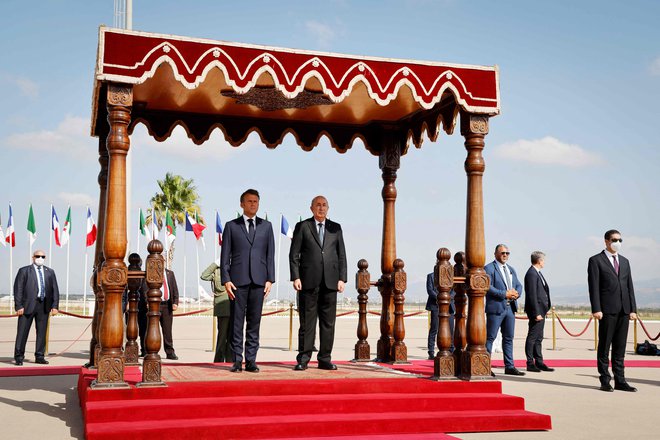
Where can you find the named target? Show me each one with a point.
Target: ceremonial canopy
(163, 81)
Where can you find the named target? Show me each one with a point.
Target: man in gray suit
(36, 297)
(537, 304)
(612, 299)
(247, 266)
(317, 261)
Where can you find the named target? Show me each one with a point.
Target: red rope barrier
(71, 344)
(194, 312)
(571, 334)
(373, 313)
(75, 315)
(413, 314)
(274, 313)
(646, 331)
(346, 313)
(8, 316)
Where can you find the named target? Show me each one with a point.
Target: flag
(55, 225)
(285, 228)
(238, 214)
(170, 229)
(218, 228)
(2, 235)
(154, 226)
(91, 229)
(192, 225)
(31, 227)
(266, 216)
(66, 230)
(143, 224)
(11, 235)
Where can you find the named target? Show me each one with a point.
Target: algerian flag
(31, 227)
(170, 229)
(143, 224)
(66, 230)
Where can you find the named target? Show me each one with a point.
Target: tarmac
(47, 407)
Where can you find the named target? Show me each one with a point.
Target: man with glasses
(36, 297)
(501, 306)
(612, 300)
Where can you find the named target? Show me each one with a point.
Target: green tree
(178, 196)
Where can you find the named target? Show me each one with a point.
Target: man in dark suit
(169, 302)
(36, 297)
(501, 306)
(432, 306)
(613, 303)
(247, 266)
(537, 304)
(317, 261)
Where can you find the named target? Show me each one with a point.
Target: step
(209, 407)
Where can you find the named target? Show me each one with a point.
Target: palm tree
(178, 196)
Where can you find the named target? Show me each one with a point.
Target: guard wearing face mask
(36, 297)
(612, 303)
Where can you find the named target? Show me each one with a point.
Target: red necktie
(166, 289)
(616, 265)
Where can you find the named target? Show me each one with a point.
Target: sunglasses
(614, 240)
(40, 256)
(505, 253)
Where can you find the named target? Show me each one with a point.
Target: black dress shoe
(19, 363)
(431, 357)
(544, 367)
(41, 361)
(251, 367)
(624, 387)
(173, 357)
(607, 387)
(237, 367)
(300, 367)
(327, 366)
(533, 368)
(513, 372)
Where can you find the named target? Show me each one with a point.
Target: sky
(573, 153)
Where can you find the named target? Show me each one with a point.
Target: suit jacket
(608, 292)
(537, 294)
(26, 289)
(243, 261)
(432, 292)
(174, 292)
(317, 263)
(496, 295)
(220, 297)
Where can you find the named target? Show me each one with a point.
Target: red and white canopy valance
(240, 88)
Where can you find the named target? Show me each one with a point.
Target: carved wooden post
(476, 360)
(155, 270)
(389, 162)
(131, 351)
(460, 302)
(443, 365)
(113, 275)
(362, 284)
(399, 284)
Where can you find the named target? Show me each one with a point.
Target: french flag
(218, 228)
(11, 235)
(193, 226)
(285, 228)
(91, 229)
(55, 225)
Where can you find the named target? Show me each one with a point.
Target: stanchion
(290, 326)
(554, 330)
(595, 334)
(635, 335)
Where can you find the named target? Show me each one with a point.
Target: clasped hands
(512, 294)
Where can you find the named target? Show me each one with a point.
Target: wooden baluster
(155, 270)
(443, 364)
(113, 275)
(362, 284)
(476, 360)
(460, 303)
(131, 351)
(399, 285)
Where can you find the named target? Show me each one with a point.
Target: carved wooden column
(155, 269)
(399, 285)
(113, 275)
(389, 162)
(362, 284)
(476, 360)
(443, 364)
(131, 351)
(460, 303)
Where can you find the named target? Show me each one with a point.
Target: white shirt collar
(610, 254)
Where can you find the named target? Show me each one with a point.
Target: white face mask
(39, 261)
(616, 246)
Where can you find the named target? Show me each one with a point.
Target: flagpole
(85, 284)
(185, 258)
(215, 246)
(138, 233)
(68, 248)
(199, 295)
(279, 254)
(11, 261)
(50, 236)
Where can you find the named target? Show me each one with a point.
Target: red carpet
(372, 408)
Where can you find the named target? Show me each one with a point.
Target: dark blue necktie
(251, 229)
(41, 284)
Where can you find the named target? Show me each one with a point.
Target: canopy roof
(240, 88)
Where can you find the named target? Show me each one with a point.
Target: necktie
(508, 277)
(42, 292)
(251, 229)
(321, 233)
(166, 289)
(616, 264)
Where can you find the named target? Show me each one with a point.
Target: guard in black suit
(537, 304)
(247, 267)
(432, 306)
(317, 262)
(612, 299)
(36, 297)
